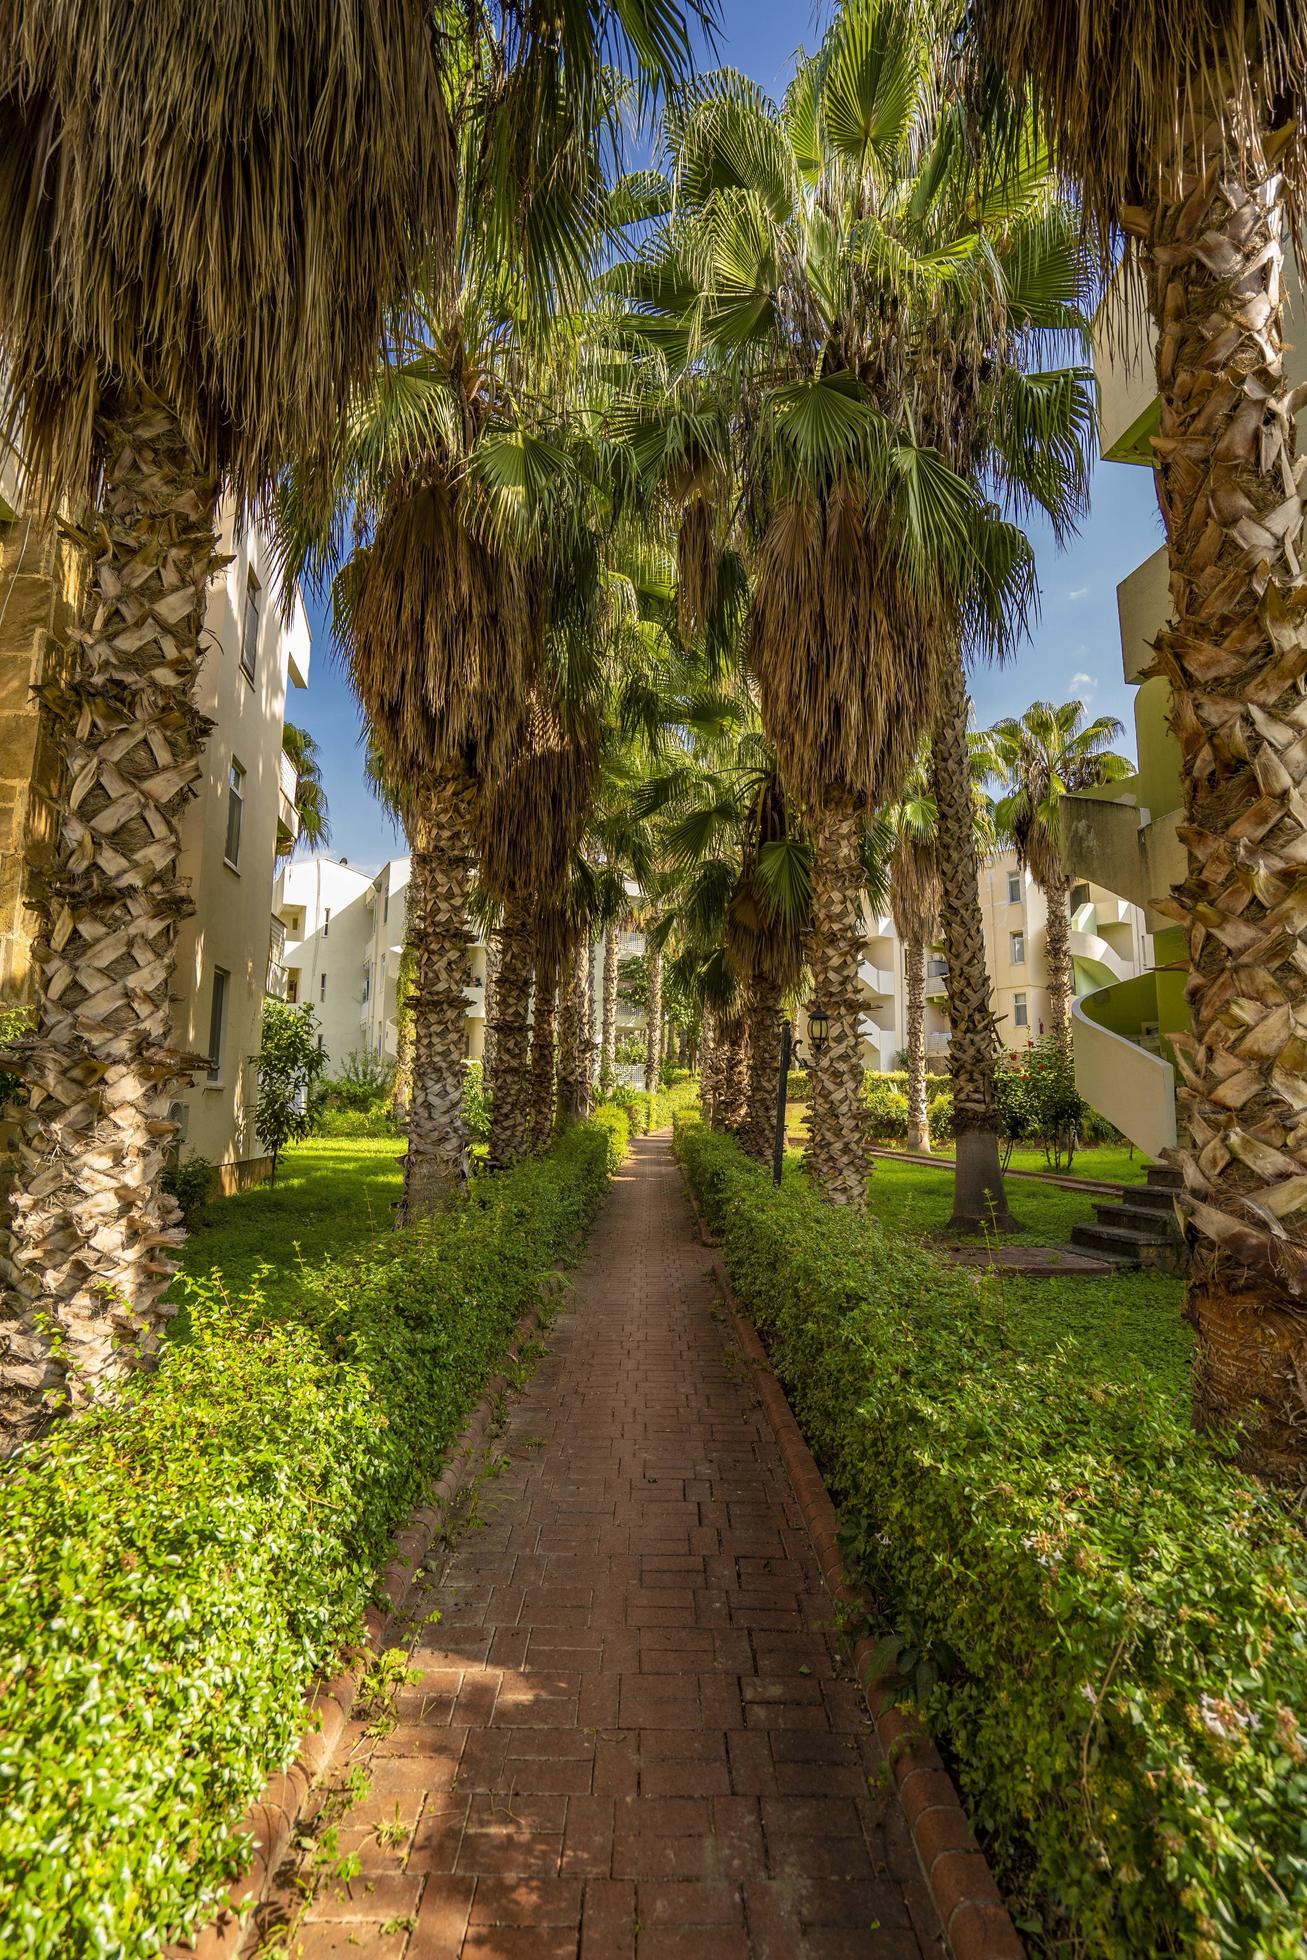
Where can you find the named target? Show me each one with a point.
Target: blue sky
(1074, 649)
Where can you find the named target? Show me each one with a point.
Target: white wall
(323, 903)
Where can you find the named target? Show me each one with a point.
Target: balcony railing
(275, 984)
(288, 817)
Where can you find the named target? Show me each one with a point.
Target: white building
(345, 935)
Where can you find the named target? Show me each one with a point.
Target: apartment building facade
(1109, 942)
(231, 830)
(345, 932)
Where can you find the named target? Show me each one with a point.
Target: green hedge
(1105, 1622)
(658, 1110)
(175, 1569)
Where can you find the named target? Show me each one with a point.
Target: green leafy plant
(191, 1183)
(364, 1081)
(476, 1104)
(290, 1061)
(176, 1565)
(1106, 1623)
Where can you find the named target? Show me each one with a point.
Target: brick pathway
(634, 1734)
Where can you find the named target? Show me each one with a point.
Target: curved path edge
(976, 1923)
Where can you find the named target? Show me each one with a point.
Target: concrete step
(1163, 1177)
(1149, 1197)
(1129, 1246)
(1148, 1221)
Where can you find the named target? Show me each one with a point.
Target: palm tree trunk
(92, 1231)
(837, 1124)
(573, 1047)
(708, 1068)
(435, 1164)
(979, 1200)
(914, 961)
(733, 1072)
(653, 1041)
(1057, 953)
(759, 1132)
(1235, 657)
(608, 1035)
(511, 1030)
(544, 1023)
(488, 1005)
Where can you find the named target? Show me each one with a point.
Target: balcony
(474, 998)
(288, 817)
(936, 978)
(878, 981)
(276, 982)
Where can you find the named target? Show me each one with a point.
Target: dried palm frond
(217, 205)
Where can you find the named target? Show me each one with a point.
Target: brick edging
(273, 1817)
(971, 1910)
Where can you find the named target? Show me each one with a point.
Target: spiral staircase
(1122, 1071)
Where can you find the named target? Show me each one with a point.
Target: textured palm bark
(836, 1157)
(92, 1230)
(732, 1099)
(1057, 956)
(573, 1040)
(511, 1029)
(708, 1069)
(544, 1028)
(979, 1199)
(758, 1134)
(492, 979)
(653, 1040)
(436, 1161)
(1229, 484)
(608, 1030)
(914, 965)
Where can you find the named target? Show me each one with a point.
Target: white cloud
(1077, 593)
(1083, 685)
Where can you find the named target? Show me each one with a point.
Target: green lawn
(1128, 1324)
(331, 1194)
(1111, 1163)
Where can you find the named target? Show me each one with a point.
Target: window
(231, 850)
(385, 905)
(1018, 940)
(1079, 896)
(367, 980)
(326, 922)
(217, 1023)
(322, 987)
(250, 629)
(1020, 1012)
(1014, 888)
(293, 985)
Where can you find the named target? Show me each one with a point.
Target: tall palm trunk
(732, 1071)
(979, 1200)
(488, 1007)
(435, 1164)
(573, 1042)
(1057, 955)
(708, 1053)
(92, 1229)
(1235, 658)
(608, 1034)
(759, 1133)
(914, 962)
(653, 1040)
(544, 1025)
(837, 1123)
(511, 1031)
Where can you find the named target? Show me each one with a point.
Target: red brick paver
(634, 1735)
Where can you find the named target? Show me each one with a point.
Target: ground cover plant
(176, 1565)
(1104, 1620)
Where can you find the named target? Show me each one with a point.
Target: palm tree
(141, 396)
(807, 255)
(913, 890)
(184, 314)
(1049, 753)
(310, 792)
(1184, 130)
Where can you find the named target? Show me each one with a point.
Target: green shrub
(887, 1111)
(939, 1115)
(176, 1566)
(797, 1087)
(476, 1104)
(15, 1022)
(191, 1184)
(1105, 1623)
(616, 1126)
(377, 1122)
(365, 1081)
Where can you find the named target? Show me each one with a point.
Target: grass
(1111, 1163)
(1127, 1324)
(332, 1194)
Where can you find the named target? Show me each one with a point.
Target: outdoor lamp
(818, 1030)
